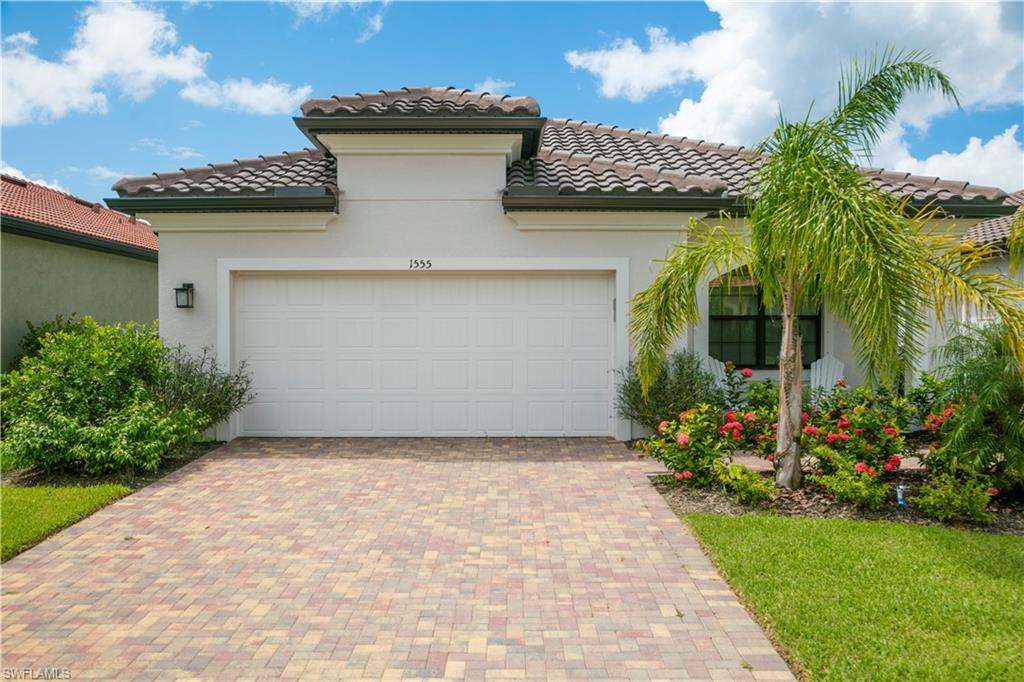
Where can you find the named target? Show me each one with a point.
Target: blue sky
(90, 95)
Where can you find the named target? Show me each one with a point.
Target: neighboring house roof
(996, 230)
(22, 201)
(573, 164)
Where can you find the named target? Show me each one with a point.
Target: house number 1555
(419, 264)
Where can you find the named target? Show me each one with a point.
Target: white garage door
(431, 354)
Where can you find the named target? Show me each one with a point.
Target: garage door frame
(227, 268)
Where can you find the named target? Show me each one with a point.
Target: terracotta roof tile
(424, 101)
(996, 230)
(304, 168)
(42, 205)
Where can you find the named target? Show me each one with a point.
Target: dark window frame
(761, 319)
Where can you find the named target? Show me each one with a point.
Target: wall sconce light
(184, 296)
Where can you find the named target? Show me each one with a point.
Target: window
(741, 330)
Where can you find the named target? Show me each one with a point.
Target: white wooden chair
(716, 368)
(825, 372)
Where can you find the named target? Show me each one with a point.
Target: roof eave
(527, 126)
(223, 204)
(961, 209)
(59, 235)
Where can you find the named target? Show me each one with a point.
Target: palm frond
(665, 308)
(1015, 242)
(953, 273)
(871, 92)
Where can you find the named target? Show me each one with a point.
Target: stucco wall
(41, 279)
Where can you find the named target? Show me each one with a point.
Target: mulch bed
(812, 501)
(135, 481)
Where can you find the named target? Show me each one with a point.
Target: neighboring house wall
(41, 279)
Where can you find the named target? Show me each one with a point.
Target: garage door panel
(427, 353)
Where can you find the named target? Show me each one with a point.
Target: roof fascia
(527, 126)
(27, 228)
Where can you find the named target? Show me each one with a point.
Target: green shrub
(690, 445)
(33, 338)
(745, 485)
(102, 398)
(682, 384)
(196, 382)
(947, 498)
(855, 484)
(977, 418)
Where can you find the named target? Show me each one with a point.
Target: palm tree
(819, 232)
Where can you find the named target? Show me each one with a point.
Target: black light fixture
(184, 295)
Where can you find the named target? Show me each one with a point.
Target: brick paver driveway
(530, 559)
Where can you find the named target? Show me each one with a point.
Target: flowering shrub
(857, 484)
(690, 445)
(745, 485)
(854, 425)
(947, 498)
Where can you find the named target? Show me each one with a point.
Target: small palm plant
(819, 232)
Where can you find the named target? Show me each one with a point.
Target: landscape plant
(682, 383)
(690, 445)
(102, 398)
(953, 498)
(820, 232)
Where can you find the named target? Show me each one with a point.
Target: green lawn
(855, 600)
(27, 515)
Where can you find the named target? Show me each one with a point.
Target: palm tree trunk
(787, 443)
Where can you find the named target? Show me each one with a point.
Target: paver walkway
(477, 559)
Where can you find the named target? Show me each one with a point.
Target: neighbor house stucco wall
(41, 279)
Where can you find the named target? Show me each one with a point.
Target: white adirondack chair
(825, 372)
(716, 368)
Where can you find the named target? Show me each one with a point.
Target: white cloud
(11, 170)
(152, 145)
(268, 97)
(495, 86)
(319, 10)
(117, 47)
(765, 56)
(104, 173)
(373, 26)
(999, 162)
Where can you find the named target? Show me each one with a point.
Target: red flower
(811, 430)
(843, 423)
(687, 474)
(833, 437)
(678, 476)
(683, 439)
(889, 466)
(820, 471)
(860, 467)
(750, 416)
(730, 416)
(890, 431)
(663, 427)
(735, 435)
(841, 383)
(992, 491)
(771, 458)
(871, 471)
(804, 417)
(857, 432)
(747, 372)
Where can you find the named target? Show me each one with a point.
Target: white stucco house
(443, 262)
